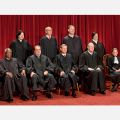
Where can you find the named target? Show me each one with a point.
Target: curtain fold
(107, 26)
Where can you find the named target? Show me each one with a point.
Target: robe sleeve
(82, 65)
(29, 66)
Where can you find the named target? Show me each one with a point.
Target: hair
(89, 44)
(70, 26)
(37, 46)
(47, 27)
(93, 34)
(62, 45)
(18, 33)
(6, 50)
(114, 49)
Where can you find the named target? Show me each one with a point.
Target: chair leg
(58, 91)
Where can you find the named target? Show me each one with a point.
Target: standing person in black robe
(48, 44)
(14, 77)
(91, 67)
(40, 69)
(20, 47)
(114, 68)
(74, 44)
(66, 70)
(98, 46)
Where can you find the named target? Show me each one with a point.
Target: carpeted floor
(111, 98)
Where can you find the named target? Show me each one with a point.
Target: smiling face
(91, 47)
(95, 37)
(48, 31)
(21, 36)
(63, 48)
(71, 30)
(8, 53)
(115, 52)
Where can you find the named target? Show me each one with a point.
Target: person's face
(115, 52)
(37, 51)
(21, 36)
(63, 49)
(49, 31)
(71, 30)
(95, 37)
(91, 47)
(8, 54)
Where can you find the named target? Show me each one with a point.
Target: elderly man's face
(91, 47)
(48, 31)
(8, 53)
(37, 51)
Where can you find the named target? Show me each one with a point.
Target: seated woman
(114, 68)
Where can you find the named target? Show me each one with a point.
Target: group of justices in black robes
(21, 50)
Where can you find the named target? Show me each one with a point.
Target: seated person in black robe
(98, 46)
(39, 68)
(91, 67)
(114, 68)
(74, 44)
(48, 44)
(66, 70)
(14, 77)
(21, 49)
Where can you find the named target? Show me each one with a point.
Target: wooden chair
(108, 77)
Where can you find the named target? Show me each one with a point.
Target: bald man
(91, 67)
(48, 44)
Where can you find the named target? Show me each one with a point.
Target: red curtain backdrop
(107, 26)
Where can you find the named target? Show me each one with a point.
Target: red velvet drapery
(107, 26)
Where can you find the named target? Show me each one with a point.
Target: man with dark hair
(20, 47)
(74, 44)
(14, 76)
(91, 67)
(66, 68)
(40, 69)
(48, 44)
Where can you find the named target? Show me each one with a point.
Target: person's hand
(46, 73)
(9, 74)
(90, 69)
(32, 73)
(117, 70)
(62, 73)
(98, 69)
(72, 71)
(23, 73)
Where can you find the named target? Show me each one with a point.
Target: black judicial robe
(21, 50)
(112, 67)
(100, 49)
(38, 66)
(49, 47)
(17, 82)
(93, 77)
(74, 47)
(66, 64)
